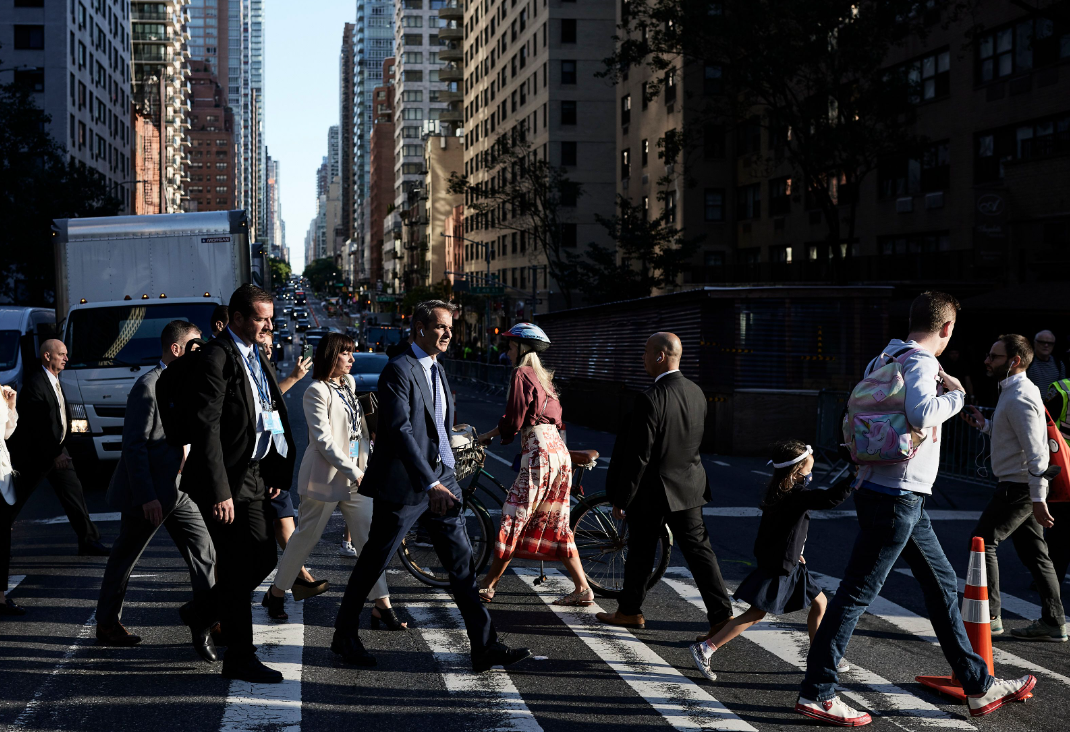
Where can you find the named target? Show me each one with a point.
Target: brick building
(212, 166)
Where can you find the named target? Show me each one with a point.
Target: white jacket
(1019, 433)
(9, 418)
(327, 472)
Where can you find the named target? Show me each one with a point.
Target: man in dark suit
(145, 488)
(656, 478)
(38, 448)
(242, 453)
(410, 477)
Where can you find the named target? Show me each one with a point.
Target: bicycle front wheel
(602, 542)
(418, 555)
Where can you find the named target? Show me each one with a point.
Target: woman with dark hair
(331, 471)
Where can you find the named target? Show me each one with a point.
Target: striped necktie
(444, 449)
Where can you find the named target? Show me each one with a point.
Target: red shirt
(525, 407)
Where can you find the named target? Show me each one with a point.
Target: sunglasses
(1045, 343)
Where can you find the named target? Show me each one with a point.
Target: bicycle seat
(583, 458)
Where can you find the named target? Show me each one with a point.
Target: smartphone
(306, 351)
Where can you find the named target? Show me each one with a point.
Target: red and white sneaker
(833, 711)
(1001, 692)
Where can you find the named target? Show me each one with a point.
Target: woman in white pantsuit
(331, 470)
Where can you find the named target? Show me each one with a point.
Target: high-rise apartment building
(258, 150)
(273, 209)
(210, 172)
(75, 58)
(384, 265)
(532, 65)
(346, 87)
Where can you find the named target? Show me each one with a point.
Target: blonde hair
(543, 374)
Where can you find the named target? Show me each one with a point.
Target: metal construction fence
(964, 451)
(487, 377)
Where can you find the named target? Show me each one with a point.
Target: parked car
(366, 370)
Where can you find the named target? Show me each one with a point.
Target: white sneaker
(347, 550)
(843, 667)
(703, 661)
(833, 711)
(1001, 692)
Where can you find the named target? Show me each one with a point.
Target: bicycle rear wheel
(419, 557)
(602, 542)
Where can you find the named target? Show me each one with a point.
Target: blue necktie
(262, 384)
(444, 449)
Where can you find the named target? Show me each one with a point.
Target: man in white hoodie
(1019, 508)
(890, 502)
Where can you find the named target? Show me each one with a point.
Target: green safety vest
(1061, 389)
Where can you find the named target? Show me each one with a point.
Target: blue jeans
(893, 526)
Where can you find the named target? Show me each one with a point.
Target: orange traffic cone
(976, 619)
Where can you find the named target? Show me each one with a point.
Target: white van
(20, 340)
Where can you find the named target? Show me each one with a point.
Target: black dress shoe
(202, 636)
(275, 606)
(250, 669)
(351, 650)
(498, 654)
(116, 635)
(92, 549)
(10, 609)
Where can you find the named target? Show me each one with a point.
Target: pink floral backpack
(875, 426)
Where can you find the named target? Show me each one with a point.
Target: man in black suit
(410, 477)
(656, 478)
(38, 448)
(241, 454)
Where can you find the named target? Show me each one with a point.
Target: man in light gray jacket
(1019, 509)
(145, 487)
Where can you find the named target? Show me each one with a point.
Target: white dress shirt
(670, 371)
(263, 437)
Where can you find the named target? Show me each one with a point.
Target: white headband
(809, 451)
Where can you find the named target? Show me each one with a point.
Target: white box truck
(119, 281)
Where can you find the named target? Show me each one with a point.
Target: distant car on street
(366, 370)
(377, 338)
(303, 325)
(285, 335)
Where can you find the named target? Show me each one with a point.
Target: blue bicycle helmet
(530, 335)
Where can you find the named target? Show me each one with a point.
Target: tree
(38, 185)
(526, 194)
(649, 255)
(811, 74)
(280, 270)
(320, 273)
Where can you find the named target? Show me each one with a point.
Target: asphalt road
(584, 676)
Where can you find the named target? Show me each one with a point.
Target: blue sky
(301, 47)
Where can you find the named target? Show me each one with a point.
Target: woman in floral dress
(535, 518)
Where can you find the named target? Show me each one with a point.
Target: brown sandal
(577, 598)
(486, 594)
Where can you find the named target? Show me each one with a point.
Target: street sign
(385, 298)
(488, 290)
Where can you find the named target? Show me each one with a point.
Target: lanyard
(349, 400)
(260, 381)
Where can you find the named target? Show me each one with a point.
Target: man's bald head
(1044, 345)
(54, 355)
(663, 352)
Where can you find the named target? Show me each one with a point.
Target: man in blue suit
(410, 477)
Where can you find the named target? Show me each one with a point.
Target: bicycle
(602, 541)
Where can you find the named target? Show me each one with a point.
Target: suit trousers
(689, 530)
(187, 530)
(25, 483)
(312, 518)
(68, 490)
(245, 555)
(390, 523)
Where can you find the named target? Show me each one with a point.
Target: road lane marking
(755, 512)
(279, 645)
(84, 633)
(94, 517)
(500, 459)
(722, 464)
(1018, 606)
(14, 581)
(680, 701)
(493, 694)
(915, 624)
(789, 645)
(766, 473)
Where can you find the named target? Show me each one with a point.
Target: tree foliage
(37, 185)
(525, 193)
(649, 255)
(280, 270)
(812, 75)
(320, 273)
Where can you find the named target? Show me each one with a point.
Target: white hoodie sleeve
(1029, 424)
(924, 408)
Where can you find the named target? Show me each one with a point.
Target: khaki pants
(312, 518)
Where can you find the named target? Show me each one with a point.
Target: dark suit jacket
(39, 437)
(222, 398)
(406, 459)
(656, 464)
(148, 466)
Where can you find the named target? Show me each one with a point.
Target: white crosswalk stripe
(1011, 603)
(492, 696)
(682, 703)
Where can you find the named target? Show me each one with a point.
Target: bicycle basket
(467, 452)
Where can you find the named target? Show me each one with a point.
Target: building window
(714, 204)
(568, 72)
(910, 174)
(31, 79)
(780, 254)
(1049, 136)
(568, 30)
(625, 163)
(29, 37)
(568, 235)
(713, 142)
(626, 109)
(670, 87)
(568, 153)
(412, 96)
(644, 152)
(749, 202)
(1020, 47)
(412, 57)
(569, 194)
(410, 113)
(750, 137)
(713, 80)
(670, 207)
(923, 243)
(414, 76)
(568, 112)
(779, 196)
(930, 78)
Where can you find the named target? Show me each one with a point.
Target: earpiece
(421, 332)
(660, 358)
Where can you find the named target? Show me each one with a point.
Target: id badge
(273, 423)
(354, 449)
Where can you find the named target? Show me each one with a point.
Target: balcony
(449, 97)
(452, 11)
(151, 13)
(455, 35)
(451, 55)
(452, 115)
(450, 74)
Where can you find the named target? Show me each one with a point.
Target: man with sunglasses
(1046, 367)
(1019, 508)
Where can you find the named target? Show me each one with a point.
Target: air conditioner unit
(904, 205)
(646, 179)
(934, 200)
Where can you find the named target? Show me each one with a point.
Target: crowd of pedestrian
(209, 454)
